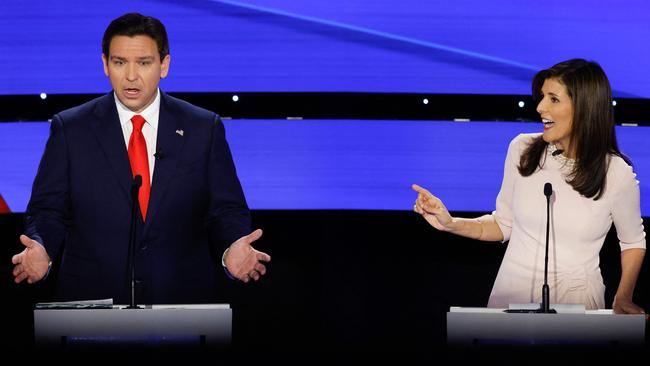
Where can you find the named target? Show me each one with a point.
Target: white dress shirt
(149, 129)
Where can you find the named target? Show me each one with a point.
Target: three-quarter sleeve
(626, 206)
(503, 212)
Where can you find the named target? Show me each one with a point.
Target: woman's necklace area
(559, 156)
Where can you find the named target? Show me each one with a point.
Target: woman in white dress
(593, 186)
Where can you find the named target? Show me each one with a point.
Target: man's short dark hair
(134, 24)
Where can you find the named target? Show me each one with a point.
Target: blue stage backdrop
(345, 164)
(404, 46)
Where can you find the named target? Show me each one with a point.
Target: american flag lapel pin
(180, 132)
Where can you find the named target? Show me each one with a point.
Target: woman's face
(556, 110)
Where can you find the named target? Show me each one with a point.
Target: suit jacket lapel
(107, 130)
(169, 144)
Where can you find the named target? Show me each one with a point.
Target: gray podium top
(211, 323)
(485, 326)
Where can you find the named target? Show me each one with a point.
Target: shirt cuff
(49, 268)
(223, 263)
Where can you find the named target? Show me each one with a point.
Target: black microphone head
(137, 181)
(557, 152)
(548, 189)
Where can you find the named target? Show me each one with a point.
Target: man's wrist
(49, 268)
(223, 263)
(223, 257)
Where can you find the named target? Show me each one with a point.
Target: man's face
(134, 68)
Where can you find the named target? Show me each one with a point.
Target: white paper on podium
(560, 308)
(80, 304)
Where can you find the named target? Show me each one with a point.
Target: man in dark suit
(192, 216)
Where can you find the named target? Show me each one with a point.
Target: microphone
(159, 155)
(555, 153)
(135, 189)
(545, 305)
(548, 189)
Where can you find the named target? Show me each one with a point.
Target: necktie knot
(138, 122)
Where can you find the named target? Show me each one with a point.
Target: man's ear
(105, 63)
(164, 67)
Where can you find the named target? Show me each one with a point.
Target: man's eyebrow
(143, 58)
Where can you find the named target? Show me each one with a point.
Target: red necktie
(140, 162)
(4, 208)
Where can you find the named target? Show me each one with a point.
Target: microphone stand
(135, 189)
(545, 306)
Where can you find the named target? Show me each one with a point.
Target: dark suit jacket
(80, 207)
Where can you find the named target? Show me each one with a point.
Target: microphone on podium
(135, 189)
(545, 305)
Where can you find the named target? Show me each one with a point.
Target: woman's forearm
(478, 228)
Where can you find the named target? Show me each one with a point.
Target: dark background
(386, 106)
(362, 282)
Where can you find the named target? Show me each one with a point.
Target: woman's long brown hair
(592, 134)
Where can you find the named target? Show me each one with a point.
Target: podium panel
(485, 326)
(207, 325)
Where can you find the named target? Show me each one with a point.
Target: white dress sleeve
(626, 207)
(503, 213)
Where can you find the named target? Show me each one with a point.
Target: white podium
(485, 326)
(206, 325)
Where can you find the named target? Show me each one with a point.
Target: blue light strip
(345, 164)
(391, 36)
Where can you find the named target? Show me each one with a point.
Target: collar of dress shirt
(150, 113)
